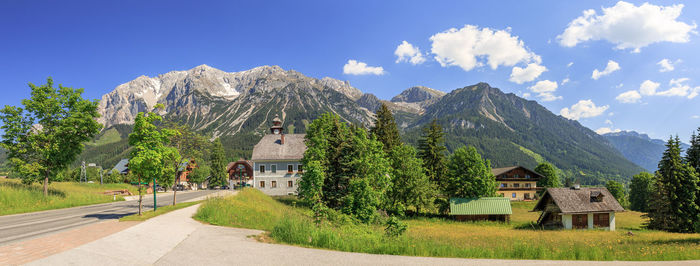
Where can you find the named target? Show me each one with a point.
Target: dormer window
(596, 196)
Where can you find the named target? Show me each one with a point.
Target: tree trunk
(177, 182)
(140, 195)
(46, 186)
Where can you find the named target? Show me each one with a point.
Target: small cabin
(578, 208)
(481, 209)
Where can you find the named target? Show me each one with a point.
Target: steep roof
(271, 148)
(579, 200)
(480, 206)
(499, 171)
(121, 166)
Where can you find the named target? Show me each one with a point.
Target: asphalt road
(20, 227)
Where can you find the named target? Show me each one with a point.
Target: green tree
(617, 190)
(200, 173)
(640, 191)
(411, 187)
(45, 136)
(693, 153)
(385, 129)
(218, 164)
(149, 154)
(469, 175)
(311, 187)
(676, 188)
(432, 150)
(549, 175)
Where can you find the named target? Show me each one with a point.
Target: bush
(395, 227)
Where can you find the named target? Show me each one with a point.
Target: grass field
(446, 238)
(161, 210)
(16, 197)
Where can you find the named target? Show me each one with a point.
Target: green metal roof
(480, 206)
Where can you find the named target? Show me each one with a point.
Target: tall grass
(16, 197)
(446, 238)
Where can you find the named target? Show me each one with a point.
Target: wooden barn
(478, 209)
(578, 208)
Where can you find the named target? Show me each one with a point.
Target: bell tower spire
(276, 128)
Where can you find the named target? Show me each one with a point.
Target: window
(262, 169)
(513, 196)
(290, 168)
(527, 184)
(299, 168)
(274, 184)
(290, 183)
(516, 176)
(516, 185)
(527, 176)
(601, 220)
(262, 184)
(273, 168)
(504, 185)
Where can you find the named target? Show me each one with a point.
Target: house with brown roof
(578, 208)
(517, 182)
(240, 173)
(277, 161)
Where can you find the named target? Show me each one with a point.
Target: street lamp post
(155, 204)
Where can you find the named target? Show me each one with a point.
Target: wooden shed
(578, 208)
(478, 209)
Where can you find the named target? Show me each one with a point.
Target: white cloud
(570, 64)
(354, 67)
(583, 109)
(564, 81)
(619, 85)
(629, 97)
(629, 26)
(695, 117)
(545, 90)
(607, 121)
(679, 87)
(610, 68)
(531, 72)
(467, 47)
(666, 65)
(648, 87)
(605, 130)
(406, 52)
(526, 95)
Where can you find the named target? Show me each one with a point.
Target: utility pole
(155, 204)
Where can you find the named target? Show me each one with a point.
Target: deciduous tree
(549, 175)
(411, 187)
(149, 153)
(617, 190)
(640, 191)
(469, 175)
(45, 136)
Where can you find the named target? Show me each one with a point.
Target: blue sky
(98, 45)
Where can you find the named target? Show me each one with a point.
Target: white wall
(612, 221)
(281, 177)
(567, 221)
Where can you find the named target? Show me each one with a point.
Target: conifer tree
(431, 149)
(411, 187)
(677, 185)
(692, 156)
(385, 129)
(218, 163)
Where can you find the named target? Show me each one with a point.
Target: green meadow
(289, 223)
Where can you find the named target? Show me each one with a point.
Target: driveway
(176, 239)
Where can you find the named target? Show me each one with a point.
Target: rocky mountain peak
(418, 94)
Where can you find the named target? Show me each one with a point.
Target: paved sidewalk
(176, 239)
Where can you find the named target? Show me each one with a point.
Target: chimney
(282, 138)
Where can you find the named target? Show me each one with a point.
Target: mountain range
(238, 108)
(640, 148)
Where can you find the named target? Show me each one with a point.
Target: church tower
(276, 128)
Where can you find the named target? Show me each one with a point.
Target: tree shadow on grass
(35, 188)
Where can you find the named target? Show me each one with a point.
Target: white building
(277, 161)
(578, 208)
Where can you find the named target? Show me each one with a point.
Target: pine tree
(678, 186)
(640, 191)
(385, 129)
(431, 149)
(692, 157)
(549, 175)
(469, 175)
(218, 164)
